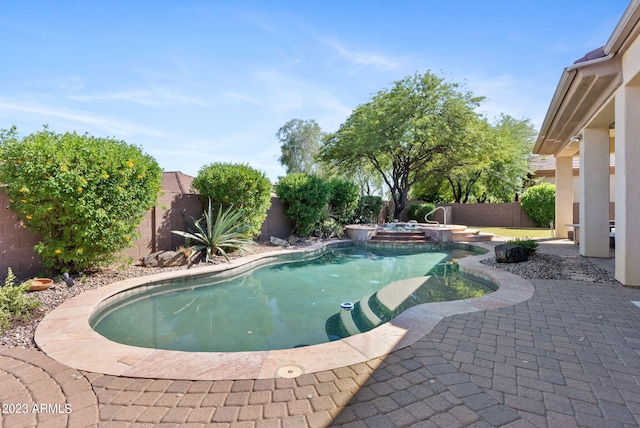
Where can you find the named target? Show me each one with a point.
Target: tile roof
(177, 182)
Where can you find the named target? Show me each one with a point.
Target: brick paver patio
(567, 357)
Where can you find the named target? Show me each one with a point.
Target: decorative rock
(277, 241)
(164, 259)
(509, 253)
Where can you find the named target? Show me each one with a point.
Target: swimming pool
(284, 303)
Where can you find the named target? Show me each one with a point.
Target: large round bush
(84, 196)
(239, 185)
(343, 199)
(305, 198)
(539, 203)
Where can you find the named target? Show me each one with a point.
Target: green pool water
(283, 304)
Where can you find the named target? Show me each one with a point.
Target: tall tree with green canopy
(512, 145)
(300, 143)
(416, 128)
(494, 171)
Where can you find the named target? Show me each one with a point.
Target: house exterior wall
(627, 111)
(549, 177)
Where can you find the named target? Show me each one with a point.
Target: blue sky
(197, 82)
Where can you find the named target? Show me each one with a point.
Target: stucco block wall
(16, 244)
(276, 223)
(165, 217)
(497, 215)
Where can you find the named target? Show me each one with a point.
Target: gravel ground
(550, 266)
(539, 266)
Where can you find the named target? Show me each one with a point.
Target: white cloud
(242, 98)
(156, 97)
(47, 113)
(360, 59)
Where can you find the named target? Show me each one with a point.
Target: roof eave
(616, 44)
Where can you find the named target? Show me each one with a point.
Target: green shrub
(539, 203)
(529, 245)
(14, 301)
(240, 185)
(368, 209)
(419, 210)
(305, 197)
(328, 226)
(343, 200)
(227, 233)
(84, 196)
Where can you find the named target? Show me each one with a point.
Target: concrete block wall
(276, 223)
(16, 244)
(497, 215)
(155, 229)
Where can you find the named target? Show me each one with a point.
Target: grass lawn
(516, 232)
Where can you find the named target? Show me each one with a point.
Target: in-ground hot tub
(439, 233)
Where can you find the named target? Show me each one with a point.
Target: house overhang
(586, 89)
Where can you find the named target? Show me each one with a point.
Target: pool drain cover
(289, 371)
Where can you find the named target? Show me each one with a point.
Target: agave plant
(228, 232)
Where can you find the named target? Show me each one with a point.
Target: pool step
(367, 311)
(471, 235)
(361, 314)
(388, 299)
(404, 236)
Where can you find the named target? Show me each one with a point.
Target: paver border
(66, 336)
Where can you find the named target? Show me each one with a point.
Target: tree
(463, 178)
(406, 133)
(506, 176)
(300, 143)
(494, 171)
(84, 196)
(237, 185)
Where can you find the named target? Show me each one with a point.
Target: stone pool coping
(66, 336)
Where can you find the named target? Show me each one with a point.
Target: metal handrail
(444, 216)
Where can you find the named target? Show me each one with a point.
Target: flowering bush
(236, 185)
(84, 196)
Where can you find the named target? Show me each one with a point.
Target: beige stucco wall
(576, 186)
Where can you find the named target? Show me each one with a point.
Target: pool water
(284, 304)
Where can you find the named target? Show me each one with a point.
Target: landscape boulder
(164, 259)
(509, 253)
(280, 242)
